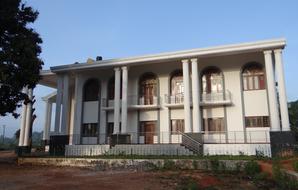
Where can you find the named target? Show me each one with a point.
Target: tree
(19, 54)
(293, 116)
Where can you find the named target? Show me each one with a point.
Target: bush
(295, 165)
(252, 168)
(282, 179)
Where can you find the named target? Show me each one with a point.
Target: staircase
(192, 142)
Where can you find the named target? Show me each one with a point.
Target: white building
(228, 98)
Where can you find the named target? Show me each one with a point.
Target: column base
(120, 139)
(22, 150)
(282, 143)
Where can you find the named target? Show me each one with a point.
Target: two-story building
(230, 99)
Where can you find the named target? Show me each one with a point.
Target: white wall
(90, 112)
(236, 149)
(231, 67)
(255, 103)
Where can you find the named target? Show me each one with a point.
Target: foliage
(295, 165)
(293, 116)
(19, 51)
(282, 180)
(252, 168)
(169, 165)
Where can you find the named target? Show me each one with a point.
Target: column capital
(266, 52)
(117, 69)
(277, 51)
(185, 61)
(124, 68)
(194, 60)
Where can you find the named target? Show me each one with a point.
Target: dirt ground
(13, 177)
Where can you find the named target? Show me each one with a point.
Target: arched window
(91, 90)
(148, 88)
(111, 89)
(212, 81)
(253, 77)
(177, 87)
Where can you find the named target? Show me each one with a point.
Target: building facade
(228, 98)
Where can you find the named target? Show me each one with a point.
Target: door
(148, 131)
(149, 94)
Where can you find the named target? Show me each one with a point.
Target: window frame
(257, 121)
(254, 73)
(180, 124)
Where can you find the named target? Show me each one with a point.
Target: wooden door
(148, 131)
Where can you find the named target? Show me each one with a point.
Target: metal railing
(191, 143)
(216, 97)
(208, 137)
(234, 137)
(133, 100)
(174, 99)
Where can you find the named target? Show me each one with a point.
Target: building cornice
(258, 46)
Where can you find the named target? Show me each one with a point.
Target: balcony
(214, 99)
(211, 99)
(134, 103)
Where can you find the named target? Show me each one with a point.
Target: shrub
(252, 168)
(169, 165)
(295, 165)
(282, 179)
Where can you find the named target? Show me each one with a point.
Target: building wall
(243, 103)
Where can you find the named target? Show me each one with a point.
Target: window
(148, 88)
(257, 121)
(177, 125)
(212, 81)
(213, 124)
(253, 77)
(89, 130)
(177, 87)
(91, 90)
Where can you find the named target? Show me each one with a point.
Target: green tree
(19, 54)
(293, 116)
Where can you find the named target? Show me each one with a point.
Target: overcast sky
(76, 30)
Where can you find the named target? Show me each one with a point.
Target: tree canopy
(293, 116)
(19, 54)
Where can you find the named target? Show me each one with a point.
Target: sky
(73, 31)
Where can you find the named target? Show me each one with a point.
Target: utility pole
(3, 135)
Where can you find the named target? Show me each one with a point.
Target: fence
(207, 137)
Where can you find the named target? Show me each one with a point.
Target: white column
(124, 100)
(58, 103)
(77, 109)
(23, 120)
(283, 102)
(47, 123)
(187, 114)
(28, 118)
(195, 96)
(65, 106)
(117, 101)
(274, 116)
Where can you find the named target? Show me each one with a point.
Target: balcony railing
(133, 101)
(219, 98)
(216, 98)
